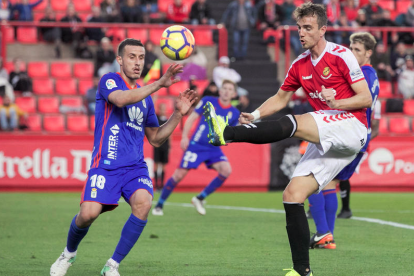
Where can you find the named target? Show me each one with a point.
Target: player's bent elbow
(368, 101)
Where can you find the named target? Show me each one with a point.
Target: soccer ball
(177, 42)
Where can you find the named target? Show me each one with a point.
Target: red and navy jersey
(335, 68)
(119, 132)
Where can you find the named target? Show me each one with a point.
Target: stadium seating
(155, 35)
(66, 87)
(92, 122)
(41, 6)
(203, 37)
(59, 5)
(38, 69)
(178, 87)
(169, 104)
(117, 34)
(27, 104)
(408, 108)
(9, 34)
(82, 5)
(77, 123)
(165, 67)
(27, 35)
(72, 101)
(34, 122)
(201, 85)
(43, 86)
(385, 89)
(9, 65)
(61, 70)
(387, 4)
(48, 104)
(402, 5)
(399, 125)
(84, 85)
(162, 92)
(37, 16)
(83, 70)
(383, 125)
(141, 34)
(55, 122)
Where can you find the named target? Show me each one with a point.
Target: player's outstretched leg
(345, 188)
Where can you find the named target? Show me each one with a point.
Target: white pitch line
(275, 211)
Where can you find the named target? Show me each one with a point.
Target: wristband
(256, 115)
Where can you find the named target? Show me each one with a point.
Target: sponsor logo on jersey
(374, 86)
(307, 77)
(110, 83)
(144, 103)
(135, 115)
(113, 143)
(199, 132)
(318, 95)
(356, 74)
(146, 181)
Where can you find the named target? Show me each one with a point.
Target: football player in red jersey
(336, 88)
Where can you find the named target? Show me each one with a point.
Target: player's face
(132, 61)
(360, 53)
(309, 32)
(227, 92)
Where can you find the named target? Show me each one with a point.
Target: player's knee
(142, 208)
(225, 171)
(290, 195)
(179, 175)
(86, 218)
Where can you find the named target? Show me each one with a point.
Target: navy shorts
(349, 170)
(195, 155)
(107, 187)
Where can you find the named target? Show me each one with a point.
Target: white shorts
(341, 138)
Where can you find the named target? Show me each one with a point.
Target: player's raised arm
(158, 135)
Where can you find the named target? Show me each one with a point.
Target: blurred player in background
(124, 114)
(323, 206)
(336, 88)
(198, 150)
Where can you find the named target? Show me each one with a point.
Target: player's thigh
(331, 185)
(300, 188)
(307, 129)
(141, 202)
(223, 168)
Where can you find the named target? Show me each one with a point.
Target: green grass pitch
(33, 229)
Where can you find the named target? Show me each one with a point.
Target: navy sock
(331, 206)
(129, 236)
(214, 185)
(166, 191)
(75, 235)
(317, 208)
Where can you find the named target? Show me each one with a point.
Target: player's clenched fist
(245, 118)
(328, 94)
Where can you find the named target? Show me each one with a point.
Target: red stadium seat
(61, 70)
(408, 108)
(203, 37)
(41, 6)
(402, 6)
(82, 5)
(72, 101)
(38, 69)
(27, 104)
(155, 35)
(165, 67)
(385, 89)
(9, 34)
(1, 100)
(48, 104)
(386, 4)
(43, 86)
(383, 125)
(59, 5)
(169, 104)
(84, 85)
(66, 87)
(83, 70)
(163, 5)
(54, 122)
(117, 34)
(77, 123)
(9, 66)
(201, 85)
(37, 16)
(399, 125)
(162, 92)
(84, 16)
(27, 35)
(178, 87)
(60, 15)
(92, 122)
(141, 34)
(34, 122)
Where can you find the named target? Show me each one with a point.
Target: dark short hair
(310, 9)
(366, 39)
(126, 42)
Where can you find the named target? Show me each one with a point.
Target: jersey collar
(223, 106)
(126, 83)
(367, 65)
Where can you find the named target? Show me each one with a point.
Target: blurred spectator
(398, 57)
(381, 62)
(270, 15)
(333, 11)
(95, 34)
(5, 9)
(110, 11)
(105, 55)
(198, 58)
(19, 79)
(131, 12)
(351, 10)
(51, 34)
(83, 51)
(405, 80)
(373, 12)
(150, 57)
(9, 115)
(288, 7)
(74, 33)
(241, 16)
(201, 13)
(223, 72)
(177, 12)
(385, 20)
(6, 90)
(243, 101)
(3, 72)
(91, 96)
(361, 18)
(150, 11)
(409, 17)
(195, 67)
(342, 37)
(23, 11)
(211, 90)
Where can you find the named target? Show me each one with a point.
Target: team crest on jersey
(326, 74)
(144, 103)
(110, 83)
(230, 115)
(200, 103)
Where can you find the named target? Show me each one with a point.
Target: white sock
(69, 254)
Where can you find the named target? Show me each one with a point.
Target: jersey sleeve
(152, 120)
(349, 67)
(108, 84)
(291, 82)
